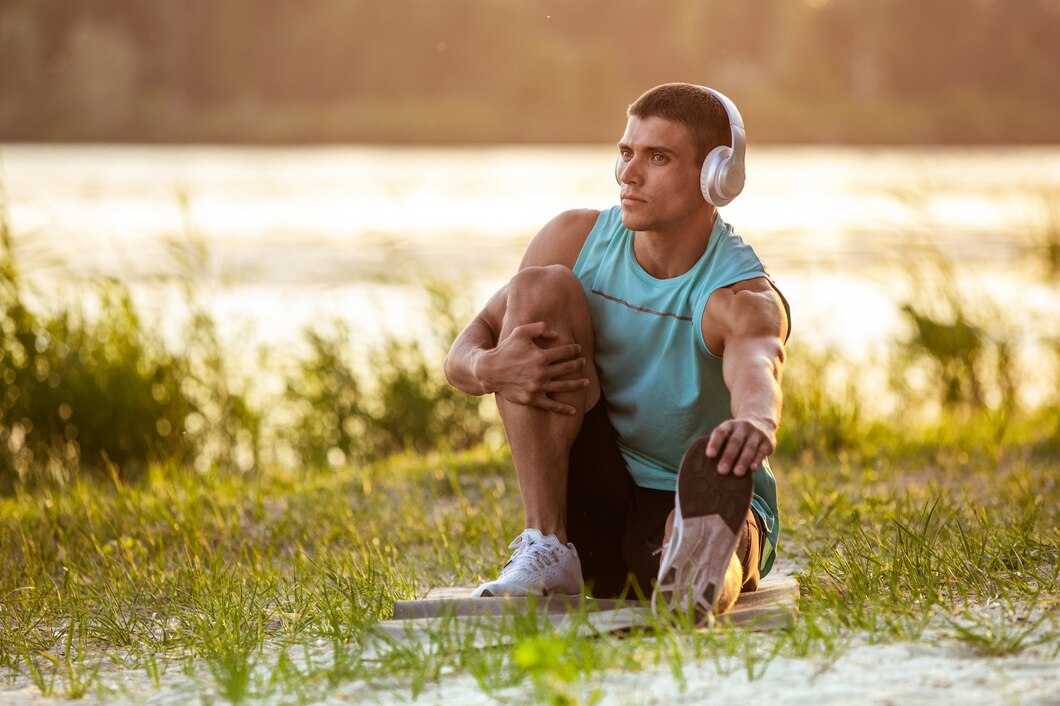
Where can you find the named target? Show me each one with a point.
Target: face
(659, 172)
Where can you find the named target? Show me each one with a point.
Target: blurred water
(299, 235)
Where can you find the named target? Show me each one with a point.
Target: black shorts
(617, 526)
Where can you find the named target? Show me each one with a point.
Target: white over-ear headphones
(722, 176)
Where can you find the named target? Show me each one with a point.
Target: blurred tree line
(428, 71)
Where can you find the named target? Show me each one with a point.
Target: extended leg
(710, 516)
(730, 589)
(736, 580)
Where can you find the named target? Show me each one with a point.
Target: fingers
(733, 447)
(560, 361)
(747, 458)
(738, 448)
(538, 329)
(533, 373)
(567, 385)
(567, 367)
(561, 353)
(550, 405)
(717, 440)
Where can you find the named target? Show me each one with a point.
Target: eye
(658, 158)
(626, 154)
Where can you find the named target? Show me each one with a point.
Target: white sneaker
(539, 565)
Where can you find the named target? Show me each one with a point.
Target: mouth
(631, 198)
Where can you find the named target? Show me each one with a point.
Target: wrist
(480, 371)
(766, 422)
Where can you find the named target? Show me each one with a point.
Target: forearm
(754, 384)
(751, 363)
(461, 362)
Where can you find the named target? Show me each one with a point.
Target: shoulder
(732, 252)
(750, 308)
(561, 239)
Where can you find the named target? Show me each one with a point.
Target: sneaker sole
(501, 593)
(710, 510)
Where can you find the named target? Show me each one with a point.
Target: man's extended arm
(753, 326)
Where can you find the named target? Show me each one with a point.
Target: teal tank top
(663, 386)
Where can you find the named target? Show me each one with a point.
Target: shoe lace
(529, 556)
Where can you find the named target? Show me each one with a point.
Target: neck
(671, 252)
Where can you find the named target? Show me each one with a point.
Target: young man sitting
(636, 361)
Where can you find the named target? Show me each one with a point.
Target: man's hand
(523, 372)
(741, 445)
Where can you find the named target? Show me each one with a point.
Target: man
(638, 352)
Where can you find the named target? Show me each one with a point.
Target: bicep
(752, 324)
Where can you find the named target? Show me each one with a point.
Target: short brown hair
(691, 106)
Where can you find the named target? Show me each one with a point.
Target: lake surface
(297, 236)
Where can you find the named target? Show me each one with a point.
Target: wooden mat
(773, 605)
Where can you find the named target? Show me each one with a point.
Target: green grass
(190, 557)
(270, 586)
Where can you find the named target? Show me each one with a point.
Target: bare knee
(553, 294)
(543, 292)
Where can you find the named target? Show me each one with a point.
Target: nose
(627, 172)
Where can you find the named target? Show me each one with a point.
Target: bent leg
(599, 500)
(541, 440)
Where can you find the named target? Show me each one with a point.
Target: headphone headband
(739, 139)
(721, 178)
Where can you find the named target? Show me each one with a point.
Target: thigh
(749, 551)
(598, 494)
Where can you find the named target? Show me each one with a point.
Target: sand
(896, 673)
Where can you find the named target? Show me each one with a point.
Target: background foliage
(88, 387)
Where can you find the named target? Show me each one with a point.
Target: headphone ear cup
(712, 175)
(721, 179)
